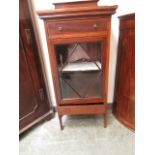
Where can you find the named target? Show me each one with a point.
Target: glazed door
(33, 100)
(79, 71)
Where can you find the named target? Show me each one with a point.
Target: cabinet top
(62, 11)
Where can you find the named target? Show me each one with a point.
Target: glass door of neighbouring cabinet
(79, 68)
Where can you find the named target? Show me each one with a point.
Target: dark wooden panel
(127, 24)
(124, 102)
(26, 90)
(33, 101)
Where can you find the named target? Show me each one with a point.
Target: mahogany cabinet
(78, 38)
(124, 100)
(34, 104)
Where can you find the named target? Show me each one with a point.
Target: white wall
(124, 7)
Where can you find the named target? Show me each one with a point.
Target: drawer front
(76, 26)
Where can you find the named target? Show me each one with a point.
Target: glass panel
(66, 90)
(80, 69)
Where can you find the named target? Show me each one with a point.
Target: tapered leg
(105, 120)
(60, 122)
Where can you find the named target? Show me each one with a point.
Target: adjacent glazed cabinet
(78, 38)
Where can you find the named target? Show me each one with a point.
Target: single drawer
(76, 26)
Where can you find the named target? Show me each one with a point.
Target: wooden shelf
(82, 66)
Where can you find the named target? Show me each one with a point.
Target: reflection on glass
(79, 67)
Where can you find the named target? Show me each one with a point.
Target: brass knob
(95, 26)
(59, 28)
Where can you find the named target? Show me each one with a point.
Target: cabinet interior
(79, 68)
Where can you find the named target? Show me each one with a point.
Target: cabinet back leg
(60, 122)
(105, 120)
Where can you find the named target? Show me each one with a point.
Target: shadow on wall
(112, 65)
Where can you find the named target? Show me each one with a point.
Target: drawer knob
(95, 26)
(60, 28)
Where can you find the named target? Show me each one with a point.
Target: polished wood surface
(92, 11)
(71, 26)
(66, 25)
(124, 101)
(82, 109)
(33, 100)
